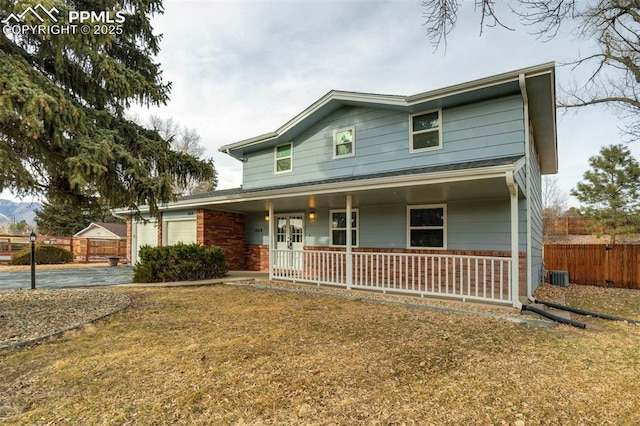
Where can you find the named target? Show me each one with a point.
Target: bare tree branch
(614, 26)
(441, 17)
(554, 200)
(547, 15)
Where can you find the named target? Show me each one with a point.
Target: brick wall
(223, 229)
(256, 258)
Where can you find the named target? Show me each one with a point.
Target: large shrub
(45, 255)
(180, 262)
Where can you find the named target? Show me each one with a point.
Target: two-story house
(437, 193)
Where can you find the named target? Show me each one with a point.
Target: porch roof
(398, 185)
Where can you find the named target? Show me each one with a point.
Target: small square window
(338, 225)
(283, 158)
(426, 131)
(344, 142)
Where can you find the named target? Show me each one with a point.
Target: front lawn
(243, 355)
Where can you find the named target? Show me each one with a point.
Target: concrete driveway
(64, 278)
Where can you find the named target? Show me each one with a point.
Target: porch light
(312, 215)
(266, 217)
(32, 240)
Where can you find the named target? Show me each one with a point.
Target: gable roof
(536, 83)
(117, 229)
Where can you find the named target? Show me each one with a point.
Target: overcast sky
(241, 68)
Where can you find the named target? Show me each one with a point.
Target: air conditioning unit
(560, 278)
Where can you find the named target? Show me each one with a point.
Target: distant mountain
(13, 210)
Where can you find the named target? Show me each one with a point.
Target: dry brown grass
(240, 355)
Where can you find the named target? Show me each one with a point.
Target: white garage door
(180, 231)
(146, 234)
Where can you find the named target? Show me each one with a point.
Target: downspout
(515, 243)
(527, 152)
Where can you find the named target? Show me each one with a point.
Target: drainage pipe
(553, 317)
(586, 313)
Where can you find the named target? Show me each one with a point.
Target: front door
(289, 241)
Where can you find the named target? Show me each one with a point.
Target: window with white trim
(338, 227)
(426, 131)
(427, 226)
(344, 142)
(283, 158)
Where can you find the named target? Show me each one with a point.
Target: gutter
(515, 239)
(116, 215)
(482, 83)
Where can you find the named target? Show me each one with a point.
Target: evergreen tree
(19, 228)
(63, 133)
(60, 219)
(611, 191)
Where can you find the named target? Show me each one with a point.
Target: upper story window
(427, 226)
(284, 158)
(338, 225)
(426, 131)
(344, 142)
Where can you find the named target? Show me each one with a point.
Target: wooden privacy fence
(91, 249)
(596, 264)
(567, 226)
(83, 249)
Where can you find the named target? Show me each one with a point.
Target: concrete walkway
(65, 278)
(104, 276)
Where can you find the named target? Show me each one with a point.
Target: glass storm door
(289, 240)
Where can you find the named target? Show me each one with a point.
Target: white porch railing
(482, 278)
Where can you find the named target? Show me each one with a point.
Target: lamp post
(32, 239)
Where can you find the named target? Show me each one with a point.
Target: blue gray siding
(479, 131)
(521, 179)
(535, 201)
(472, 225)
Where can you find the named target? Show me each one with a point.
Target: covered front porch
(300, 252)
(302, 235)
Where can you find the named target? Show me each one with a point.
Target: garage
(143, 234)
